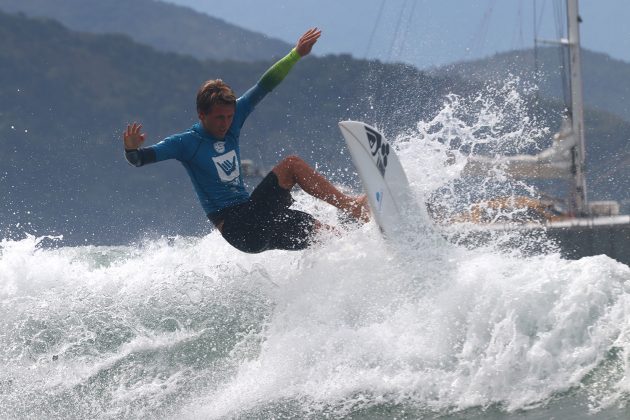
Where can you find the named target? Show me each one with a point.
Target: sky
(426, 33)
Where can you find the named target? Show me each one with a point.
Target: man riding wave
(210, 153)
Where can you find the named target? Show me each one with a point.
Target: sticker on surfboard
(381, 173)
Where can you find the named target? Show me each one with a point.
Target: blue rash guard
(214, 165)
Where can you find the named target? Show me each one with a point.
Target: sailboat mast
(578, 182)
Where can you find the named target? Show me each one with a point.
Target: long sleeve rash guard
(214, 165)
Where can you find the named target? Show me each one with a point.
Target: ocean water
(354, 327)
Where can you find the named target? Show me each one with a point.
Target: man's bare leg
(293, 170)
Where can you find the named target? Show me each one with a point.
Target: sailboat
(584, 228)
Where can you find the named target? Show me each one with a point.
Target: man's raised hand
(132, 136)
(306, 41)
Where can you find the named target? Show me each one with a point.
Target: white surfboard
(381, 173)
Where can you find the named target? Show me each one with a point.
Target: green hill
(164, 26)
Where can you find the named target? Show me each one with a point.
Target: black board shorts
(265, 222)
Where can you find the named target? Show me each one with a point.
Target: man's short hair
(214, 92)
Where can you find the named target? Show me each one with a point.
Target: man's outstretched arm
(279, 71)
(133, 137)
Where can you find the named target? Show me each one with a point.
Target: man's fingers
(311, 40)
(311, 35)
(133, 129)
(306, 42)
(313, 32)
(133, 134)
(307, 33)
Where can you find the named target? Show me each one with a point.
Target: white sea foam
(469, 330)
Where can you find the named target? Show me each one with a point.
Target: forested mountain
(164, 26)
(65, 98)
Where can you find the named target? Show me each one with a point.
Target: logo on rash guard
(227, 166)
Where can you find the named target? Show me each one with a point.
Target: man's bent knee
(287, 169)
(293, 162)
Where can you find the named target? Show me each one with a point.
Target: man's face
(217, 122)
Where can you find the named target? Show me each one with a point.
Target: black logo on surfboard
(379, 149)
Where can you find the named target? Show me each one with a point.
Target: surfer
(210, 153)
